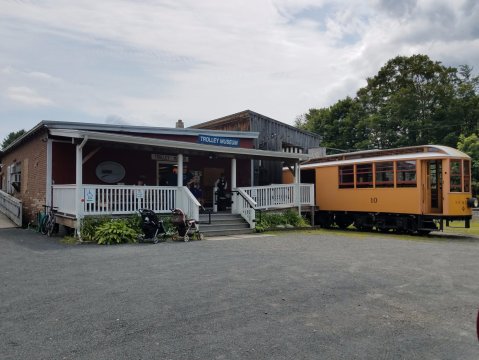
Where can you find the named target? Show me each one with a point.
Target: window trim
(459, 175)
(466, 178)
(405, 183)
(346, 185)
(384, 184)
(364, 184)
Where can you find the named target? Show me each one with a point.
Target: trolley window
(346, 176)
(467, 176)
(406, 173)
(456, 176)
(385, 174)
(364, 175)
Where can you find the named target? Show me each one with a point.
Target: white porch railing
(280, 196)
(245, 206)
(11, 207)
(123, 199)
(188, 203)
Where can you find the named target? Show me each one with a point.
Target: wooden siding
(273, 135)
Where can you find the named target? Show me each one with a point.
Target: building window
(467, 176)
(385, 174)
(456, 176)
(15, 177)
(364, 175)
(346, 177)
(406, 173)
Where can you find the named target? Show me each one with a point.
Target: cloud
(27, 96)
(153, 62)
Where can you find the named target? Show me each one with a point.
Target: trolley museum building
(96, 169)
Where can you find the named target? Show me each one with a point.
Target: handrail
(192, 205)
(246, 207)
(245, 196)
(11, 207)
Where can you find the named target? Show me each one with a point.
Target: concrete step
(223, 224)
(225, 232)
(230, 226)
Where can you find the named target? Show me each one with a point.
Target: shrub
(115, 232)
(267, 221)
(89, 226)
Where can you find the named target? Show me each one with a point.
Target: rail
(124, 199)
(245, 206)
(188, 203)
(280, 195)
(11, 207)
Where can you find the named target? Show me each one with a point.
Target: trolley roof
(406, 153)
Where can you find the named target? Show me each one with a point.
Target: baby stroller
(185, 228)
(152, 227)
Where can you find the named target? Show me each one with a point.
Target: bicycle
(48, 225)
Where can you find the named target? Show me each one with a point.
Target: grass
(69, 240)
(460, 229)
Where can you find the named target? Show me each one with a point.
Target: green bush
(290, 217)
(89, 226)
(115, 232)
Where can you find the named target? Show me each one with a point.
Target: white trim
(426, 155)
(138, 140)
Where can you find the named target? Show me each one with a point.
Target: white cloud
(154, 62)
(27, 96)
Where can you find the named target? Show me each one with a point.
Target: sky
(149, 62)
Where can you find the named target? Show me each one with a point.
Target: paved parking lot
(290, 296)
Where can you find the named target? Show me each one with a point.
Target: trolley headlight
(472, 203)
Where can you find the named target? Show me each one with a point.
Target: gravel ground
(326, 295)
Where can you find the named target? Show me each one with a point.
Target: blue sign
(218, 140)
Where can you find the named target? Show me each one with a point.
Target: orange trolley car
(411, 189)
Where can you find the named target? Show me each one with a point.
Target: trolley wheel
(156, 240)
(200, 236)
(186, 238)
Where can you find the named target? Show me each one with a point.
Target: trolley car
(411, 190)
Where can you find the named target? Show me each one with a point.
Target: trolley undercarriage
(387, 222)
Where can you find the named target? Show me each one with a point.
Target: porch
(78, 189)
(117, 200)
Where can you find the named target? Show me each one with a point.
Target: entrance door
(434, 185)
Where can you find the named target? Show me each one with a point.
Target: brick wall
(33, 156)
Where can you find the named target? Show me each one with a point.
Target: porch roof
(183, 146)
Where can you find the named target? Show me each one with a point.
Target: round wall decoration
(110, 172)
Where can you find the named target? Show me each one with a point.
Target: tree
(12, 137)
(411, 101)
(407, 102)
(470, 146)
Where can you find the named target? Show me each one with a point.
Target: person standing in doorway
(221, 185)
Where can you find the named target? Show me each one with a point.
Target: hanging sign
(167, 159)
(218, 140)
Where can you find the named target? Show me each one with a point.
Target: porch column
(78, 187)
(180, 170)
(179, 182)
(49, 181)
(79, 198)
(297, 182)
(234, 196)
(233, 174)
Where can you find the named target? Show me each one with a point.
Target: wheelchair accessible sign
(218, 140)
